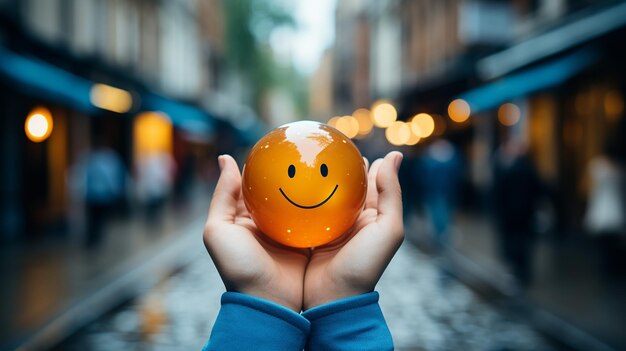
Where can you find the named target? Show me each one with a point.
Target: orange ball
(304, 184)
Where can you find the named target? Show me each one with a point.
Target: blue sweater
(250, 323)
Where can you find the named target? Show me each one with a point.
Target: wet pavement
(425, 310)
(569, 284)
(50, 288)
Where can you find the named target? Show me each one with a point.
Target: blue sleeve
(354, 323)
(250, 323)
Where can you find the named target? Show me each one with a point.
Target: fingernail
(220, 162)
(398, 161)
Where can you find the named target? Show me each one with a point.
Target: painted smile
(309, 207)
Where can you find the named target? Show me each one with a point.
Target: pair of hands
(299, 279)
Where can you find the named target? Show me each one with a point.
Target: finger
(388, 187)
(242, 210)
(226, 195)
(371, 199)
(367, 164)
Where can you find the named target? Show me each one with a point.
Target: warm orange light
(348, 125)
(111, 98)
(398, 133)
(152, 133)
(383, 114)
(509, 114)
(364, 117)
(422, 125)
(333, 121)
(413, 139)
(304, 184)
(38, 124)
(459, 110)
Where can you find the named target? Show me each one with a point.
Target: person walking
(517, 190)
(604, 217)
(439, 174)
(105, 179)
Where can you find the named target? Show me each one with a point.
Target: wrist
(292, 303)
(323, 297)
(340, 305)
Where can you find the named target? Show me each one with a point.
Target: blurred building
(351, 69)
(548, 73)
(321, 88)
(95, 66)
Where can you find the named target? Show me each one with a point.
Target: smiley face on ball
(324, 172)
(304, 184)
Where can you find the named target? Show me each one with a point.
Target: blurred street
(62, 287)
(425, 311)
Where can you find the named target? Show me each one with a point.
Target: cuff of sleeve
(260, 306)
(247, 322)
(354, 323)
(342, 305)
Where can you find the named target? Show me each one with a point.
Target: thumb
(389, 192)
(224, 203)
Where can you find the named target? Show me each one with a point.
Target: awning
(252, 133)
(585, 27)
(183, 116)
(36, 77)
(526, 82)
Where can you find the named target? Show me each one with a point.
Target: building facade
(148, 56)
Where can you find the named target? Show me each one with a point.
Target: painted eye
(291, 171)
(324, 170)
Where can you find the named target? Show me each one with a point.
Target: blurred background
(510, 115)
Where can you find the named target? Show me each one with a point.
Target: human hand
(246, 260)
(353, 264)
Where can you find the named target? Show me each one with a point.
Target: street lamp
(38, 124)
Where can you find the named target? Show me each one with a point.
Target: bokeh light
(459, 110)
(422, 125)
(38, 124)
(398, 133)
(383, 114)
(111, 98)
(509, 114)
(153, 133)
(364, 118)
(413, 139)
(348, 125)
(333, 121)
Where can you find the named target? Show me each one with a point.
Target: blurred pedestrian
(184, 180)
(105, 187)
(604, 217)
(439, 173)
(517, 191)
(155, 178)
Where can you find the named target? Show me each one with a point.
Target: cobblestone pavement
(424, 311)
